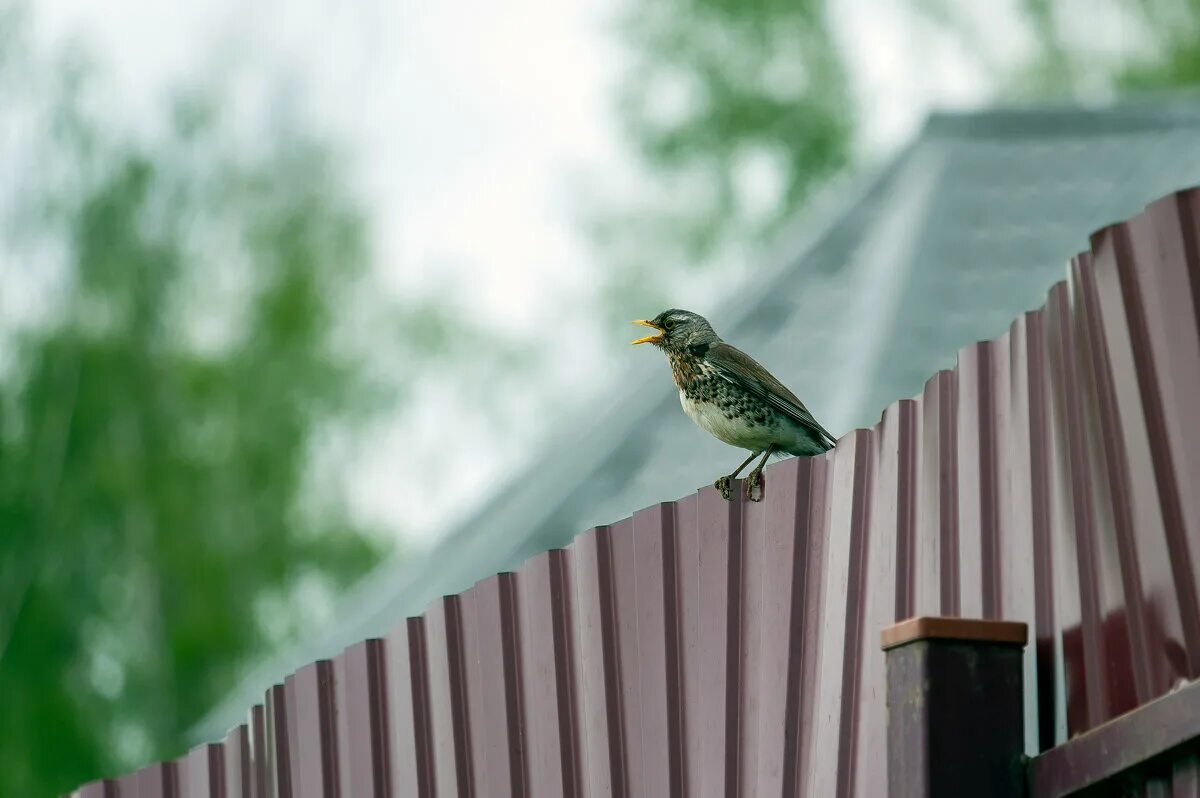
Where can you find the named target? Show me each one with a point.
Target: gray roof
(962, 231)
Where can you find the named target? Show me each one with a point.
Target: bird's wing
(744, 371)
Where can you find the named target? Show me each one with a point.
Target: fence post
(955, 708)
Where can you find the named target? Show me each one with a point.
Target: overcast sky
(471, 123)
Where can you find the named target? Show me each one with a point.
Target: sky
(472, 126)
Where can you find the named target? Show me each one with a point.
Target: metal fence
(711, 648)
(1152, 751)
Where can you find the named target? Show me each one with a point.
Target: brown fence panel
(705, 648)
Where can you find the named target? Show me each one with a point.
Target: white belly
(733, 431)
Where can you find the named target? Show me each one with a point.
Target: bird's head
(678, 331)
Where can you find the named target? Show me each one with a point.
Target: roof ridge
(1166, 111)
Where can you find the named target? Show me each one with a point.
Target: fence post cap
(927, 627)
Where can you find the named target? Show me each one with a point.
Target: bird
(729, 395)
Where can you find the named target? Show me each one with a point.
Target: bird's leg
(755, 478)
(723, 483)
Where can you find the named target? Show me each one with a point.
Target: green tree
(720, 96)
(1117, 46)
(736, 111)
(161, 517)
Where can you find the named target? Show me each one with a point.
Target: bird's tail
(811, 447)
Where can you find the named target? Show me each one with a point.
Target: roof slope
(965, 229)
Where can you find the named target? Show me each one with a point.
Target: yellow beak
(649, 339)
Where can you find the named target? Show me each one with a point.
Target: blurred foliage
(1070, 55)
(738, 110)
(161, 517)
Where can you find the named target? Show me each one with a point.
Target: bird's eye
(668, 325)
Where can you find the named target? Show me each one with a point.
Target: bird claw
(722, 485)
(755, 480)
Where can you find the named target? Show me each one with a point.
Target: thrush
(729, 395)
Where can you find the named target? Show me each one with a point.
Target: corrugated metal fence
(707, 648)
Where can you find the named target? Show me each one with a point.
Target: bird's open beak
(649, 339)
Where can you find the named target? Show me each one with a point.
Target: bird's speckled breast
(720, 408)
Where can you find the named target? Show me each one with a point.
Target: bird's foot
(755, 480)
(722, 485)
